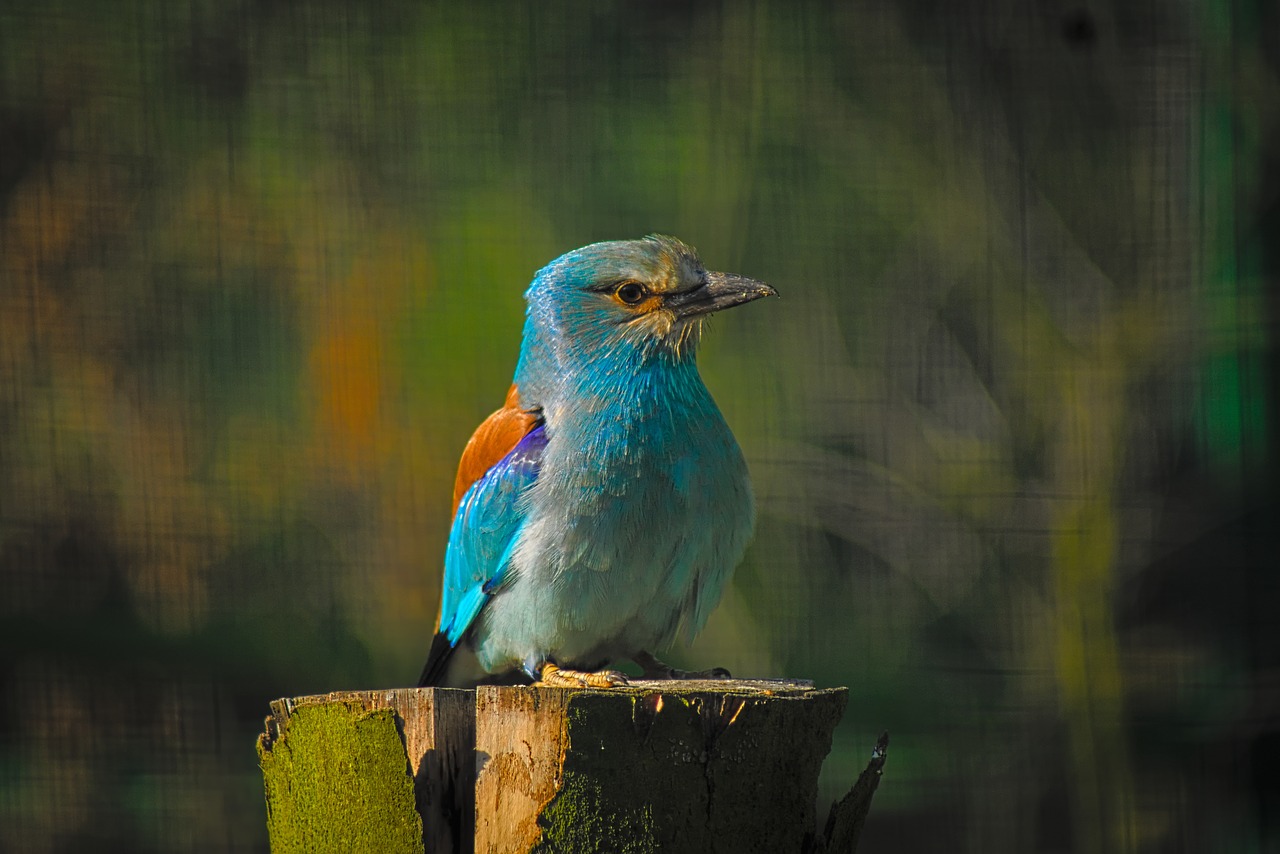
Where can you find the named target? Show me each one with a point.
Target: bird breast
(641, 508)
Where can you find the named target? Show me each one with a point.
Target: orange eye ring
(630, 293)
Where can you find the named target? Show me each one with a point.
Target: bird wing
(484, 532)
(493, 440)
(501, 461)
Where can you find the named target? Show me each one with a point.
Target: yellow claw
(553, 677)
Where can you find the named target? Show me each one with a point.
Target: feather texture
(492, 440)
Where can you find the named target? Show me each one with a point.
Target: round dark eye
(630, 292)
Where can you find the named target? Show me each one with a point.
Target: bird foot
(553, 677)
(654, 668)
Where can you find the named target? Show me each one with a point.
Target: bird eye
(630, 292)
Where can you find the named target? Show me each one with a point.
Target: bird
(600, 512)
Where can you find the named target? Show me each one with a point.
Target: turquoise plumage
(599, 513)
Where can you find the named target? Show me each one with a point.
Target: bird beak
(718, 291)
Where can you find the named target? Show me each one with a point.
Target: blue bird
(600, 512)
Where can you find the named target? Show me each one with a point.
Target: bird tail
(437, 661)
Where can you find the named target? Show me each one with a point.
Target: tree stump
(724, 765)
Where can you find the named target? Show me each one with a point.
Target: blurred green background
(1010, 424)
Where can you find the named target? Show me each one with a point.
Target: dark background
(1010, 424)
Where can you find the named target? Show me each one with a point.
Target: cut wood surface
(716, 765)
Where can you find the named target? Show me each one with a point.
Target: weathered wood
(844, 824)
(370, 770)
(722, 765)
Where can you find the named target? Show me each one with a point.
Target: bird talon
(712, 674)
(553, 677)
(654, 668)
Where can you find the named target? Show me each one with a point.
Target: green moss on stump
(675, 772)
(337, 779)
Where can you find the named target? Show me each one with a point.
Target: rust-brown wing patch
(492, 441)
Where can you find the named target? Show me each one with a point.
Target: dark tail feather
(437, 661)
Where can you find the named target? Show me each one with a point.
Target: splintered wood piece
(849, 814)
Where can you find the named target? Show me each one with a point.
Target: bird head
(626, 299)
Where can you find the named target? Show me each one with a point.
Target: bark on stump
(724, 765)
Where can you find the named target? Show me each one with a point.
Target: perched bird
(600, 512)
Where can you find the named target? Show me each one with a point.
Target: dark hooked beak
(718, 291)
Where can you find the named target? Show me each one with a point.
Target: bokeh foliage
(260, 275)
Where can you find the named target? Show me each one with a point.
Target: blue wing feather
(485, 530)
